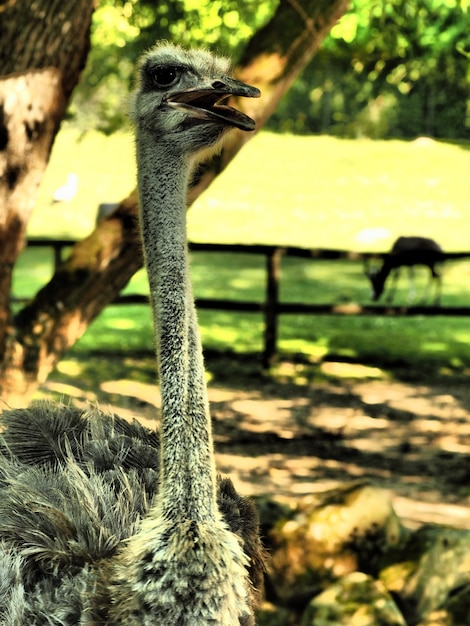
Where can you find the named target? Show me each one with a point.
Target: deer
(408, 252)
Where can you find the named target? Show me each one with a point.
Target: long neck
(187, 466)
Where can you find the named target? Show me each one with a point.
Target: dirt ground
(292, 439)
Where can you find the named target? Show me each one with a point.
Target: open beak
(211, 103)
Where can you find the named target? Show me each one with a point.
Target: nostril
(218, 84)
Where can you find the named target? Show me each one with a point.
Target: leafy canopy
(395, 68)
(123, 30)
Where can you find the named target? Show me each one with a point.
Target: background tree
(223, 25)
(33, 340)
(389, 69)
(43, 47)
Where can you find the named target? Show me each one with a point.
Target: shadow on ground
(295, 432)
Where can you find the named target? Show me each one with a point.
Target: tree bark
(43, 47)
(100, 266)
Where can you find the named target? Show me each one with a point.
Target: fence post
(273, 270)
(57, 248)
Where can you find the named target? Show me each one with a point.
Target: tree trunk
(100, 266)
(43, 47)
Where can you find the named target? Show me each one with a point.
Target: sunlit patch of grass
(64, 390)
(237, 332)
(281, 189)
(324, 191)
(70, 367)
(409, 345)
(313, 352)
(228, 275)
(144, 392)
(33, 269)
(105, 167)
(462, 335)
(119, 329)
(434, 346)
(351, 370)
(122, 324)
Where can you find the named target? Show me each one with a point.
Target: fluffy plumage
(74, 487)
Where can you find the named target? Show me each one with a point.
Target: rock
(455, 612)
(355, 599)
(427, 572)
(270, 513)
(457, 607)
(439, 618)
(330, 536)
(344, 558)
(271, 615)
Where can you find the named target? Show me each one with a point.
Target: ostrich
(105, 522)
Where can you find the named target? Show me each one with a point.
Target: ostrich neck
(187, 468)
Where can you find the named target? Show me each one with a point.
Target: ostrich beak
(210, 103)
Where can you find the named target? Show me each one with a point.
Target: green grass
(405, 346)
(324, 192)
(281, 189)
(106, 173)
(305, 191)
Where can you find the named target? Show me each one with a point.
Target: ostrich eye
(164, 75)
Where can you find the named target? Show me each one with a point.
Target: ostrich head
(181, 95)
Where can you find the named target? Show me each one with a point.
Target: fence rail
(271, 307)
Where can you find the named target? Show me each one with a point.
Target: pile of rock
(345, 558)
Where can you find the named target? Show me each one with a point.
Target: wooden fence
(271, 307)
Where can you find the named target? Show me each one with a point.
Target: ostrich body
(103, 522)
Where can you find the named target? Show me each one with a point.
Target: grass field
(281, 189)
(305, 191)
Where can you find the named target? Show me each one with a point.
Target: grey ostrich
(105, 522)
